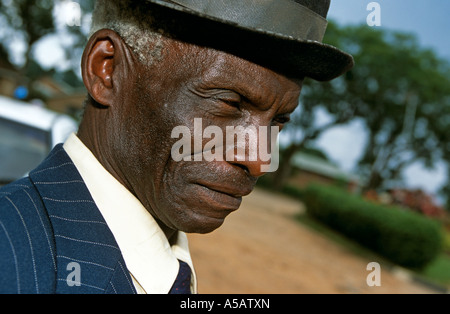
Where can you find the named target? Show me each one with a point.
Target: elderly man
(107, 211)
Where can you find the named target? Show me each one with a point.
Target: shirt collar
(149, 257)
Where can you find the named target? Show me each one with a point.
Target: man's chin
(202, 226)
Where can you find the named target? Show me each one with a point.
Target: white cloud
(344, 144)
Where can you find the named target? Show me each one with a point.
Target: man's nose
(254, 149)
(253, 168)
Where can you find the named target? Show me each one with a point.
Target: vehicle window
(22, 148)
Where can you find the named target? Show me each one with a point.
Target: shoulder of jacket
(27, 262)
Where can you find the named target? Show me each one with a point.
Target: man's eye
(230, 98)
(232, 103)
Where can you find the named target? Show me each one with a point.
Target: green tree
(403, 90)
(27, 22)
(397, 88)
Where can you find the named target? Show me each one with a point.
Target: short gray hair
(133, 23)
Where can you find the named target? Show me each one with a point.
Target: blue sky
(430, 22)
(428, 19)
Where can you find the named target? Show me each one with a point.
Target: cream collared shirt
(151, 260)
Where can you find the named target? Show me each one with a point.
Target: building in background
(309, 168)
(46, 91)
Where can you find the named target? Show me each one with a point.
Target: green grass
(439, 270)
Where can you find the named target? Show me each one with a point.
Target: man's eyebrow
(254, 94)
(253, 89)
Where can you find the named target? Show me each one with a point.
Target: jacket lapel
(88, 257)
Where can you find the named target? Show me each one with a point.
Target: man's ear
(100, 65)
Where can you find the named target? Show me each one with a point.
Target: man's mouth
(221, 197)
(228, 189)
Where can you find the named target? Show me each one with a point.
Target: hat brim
(292, 57)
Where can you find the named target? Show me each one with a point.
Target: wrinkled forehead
(215, 67)
(250, 79)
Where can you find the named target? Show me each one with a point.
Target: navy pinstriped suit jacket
(49, 220)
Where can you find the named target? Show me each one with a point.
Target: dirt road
(261, 249)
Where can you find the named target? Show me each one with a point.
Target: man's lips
(233, 191)
(221, 197)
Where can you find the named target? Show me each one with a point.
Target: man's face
(192, 82)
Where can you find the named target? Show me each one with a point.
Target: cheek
(142, 130)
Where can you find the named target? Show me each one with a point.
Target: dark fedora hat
(285, 35)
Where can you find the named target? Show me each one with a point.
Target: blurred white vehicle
(27, 134)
